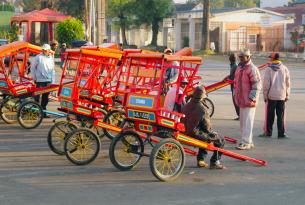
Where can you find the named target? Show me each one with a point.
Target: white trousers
(246, 118)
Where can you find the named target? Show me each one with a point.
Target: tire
(30, 114)
(8, 110)
(209, 105)
(82, 146)
(57, 135)
(162, 154)
(122, 148)
(114, 117)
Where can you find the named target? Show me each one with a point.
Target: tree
(73, 8)
(30, 5)
(69, 30)
(152, 12)
(205, 25)
(123, 10)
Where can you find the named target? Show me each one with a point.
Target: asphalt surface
(30, 174)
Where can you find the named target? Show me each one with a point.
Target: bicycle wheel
(125, 150)
(209, 105)
(30, 115)
(57, 135)
(167, 160)
(114, 117)
(8, 110)
(82, 146)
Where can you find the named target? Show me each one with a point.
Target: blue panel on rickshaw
(66, 92)
(3, 84)
(141, 101)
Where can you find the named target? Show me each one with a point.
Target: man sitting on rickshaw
(169, 103)
(198, 125)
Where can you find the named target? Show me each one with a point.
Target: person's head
(232, 58)
(168, 51)
(184, 82)
(199, 93)
(274, 56)
(105, 40)
(244, 55)
(63, 45)
(46, 49)
(54, 45)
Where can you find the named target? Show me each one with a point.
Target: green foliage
(123, 11)
(5, 17)
(9, 34)
(7, 7)
(73, 8)
(152, 12)
(69, 30)
(186, 41)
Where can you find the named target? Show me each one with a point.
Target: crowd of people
(246, 87)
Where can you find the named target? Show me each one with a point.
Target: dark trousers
(277, 106)
(44, 97)
(235, 106)
(216, 155)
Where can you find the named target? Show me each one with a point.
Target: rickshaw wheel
(8, 110)
(125, 149)
(114, 117)
(210, 106)
(82, 146)
(30, 115)
(167, 160)
(57, 135)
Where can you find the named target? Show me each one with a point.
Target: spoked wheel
(30, 115)
(125, 150)
(167, 160)
(209, 105)
(114, 117)
(57, 135)
(8, 110)
(82, 146)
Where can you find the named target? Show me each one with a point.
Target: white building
(273, 3)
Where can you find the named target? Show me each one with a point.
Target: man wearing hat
(62, 54)
(171, 73)
(197, 122)
(276, 89)
(43, 73)
(170, 98)
(247, 84)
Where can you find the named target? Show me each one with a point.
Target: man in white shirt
(170, 103)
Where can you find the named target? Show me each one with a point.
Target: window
(252, 38)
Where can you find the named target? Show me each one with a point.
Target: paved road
(31, 174)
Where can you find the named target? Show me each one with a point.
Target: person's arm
(255, 81)
(266, 84)
(287, 84)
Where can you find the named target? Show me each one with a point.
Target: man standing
(171, 73)
(247, 84)
(276, 89)
(43, 73)
(233, 67)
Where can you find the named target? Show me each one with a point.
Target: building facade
(233, 30)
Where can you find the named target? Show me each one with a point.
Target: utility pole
(86, 20)
(205, 37)
(101, 21)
